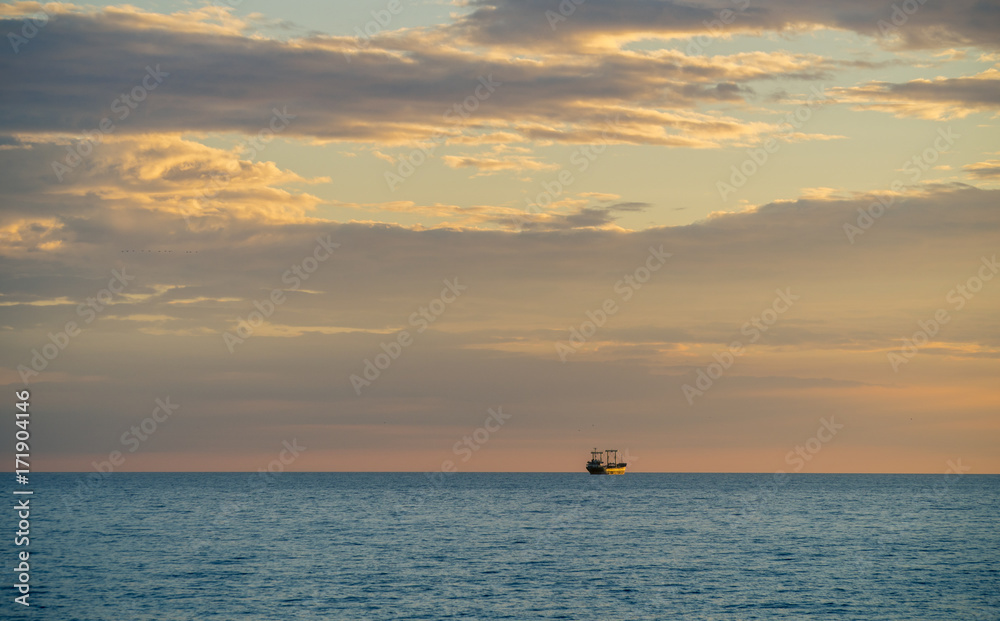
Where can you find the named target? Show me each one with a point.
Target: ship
(608, 465)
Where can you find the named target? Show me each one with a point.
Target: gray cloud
(495, 344)
(539, 23)
(630, 206)
(124, 208)
(936, 99)
(984, 170)
(399, 87)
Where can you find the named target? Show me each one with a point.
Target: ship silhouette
(608, 465)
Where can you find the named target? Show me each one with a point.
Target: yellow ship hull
(609, 465)
(606, 469)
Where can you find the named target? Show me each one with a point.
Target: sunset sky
(705, 233)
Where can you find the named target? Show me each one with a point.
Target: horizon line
(436, 472)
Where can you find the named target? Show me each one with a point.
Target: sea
(508, 546)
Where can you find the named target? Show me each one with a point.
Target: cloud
(489, 165)
(630, 206)
(202, 188)
(602, 24)
(525, 291)
(785, 242)
(104, 192)
(600, 196)
(937, 99)
(209, 232)
(406, 86)
(988, 169)
(565, 214)
(585, 217)
(384, 156)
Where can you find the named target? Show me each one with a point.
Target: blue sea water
(511, 546)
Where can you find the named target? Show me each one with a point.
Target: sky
(407, 235)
